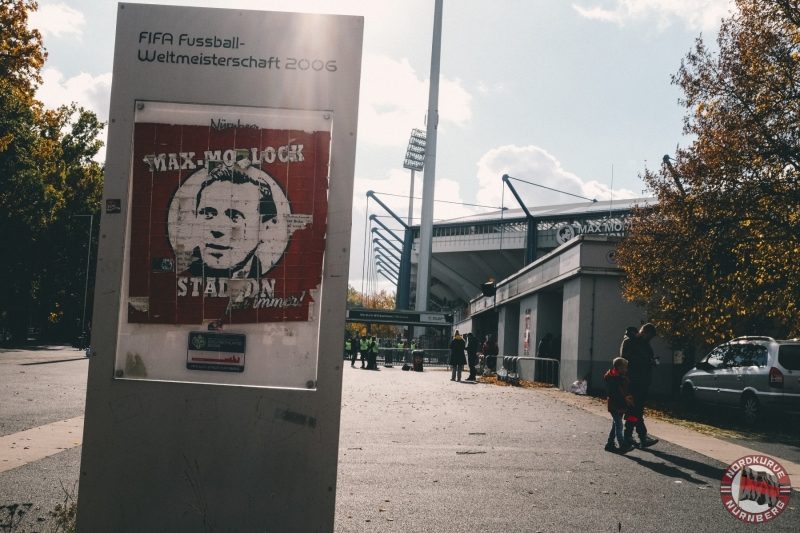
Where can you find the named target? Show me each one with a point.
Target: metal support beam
(388, 260)
(385, 227)
(387, 267)
(387, 241)
(385, 249)
(388, 254)
(531, 240)
(404, 280)
(382, 273)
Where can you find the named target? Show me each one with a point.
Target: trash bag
(580, 387)
(406, 367)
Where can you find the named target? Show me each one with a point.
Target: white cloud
(58, 20)
(87, 91)
(531, 163)
(696, 14)
(394, 100)
(90, 92)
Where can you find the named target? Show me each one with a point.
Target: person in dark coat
(353, 350)
(641, 360)
(472, 356)
(457, 357)
(490, 348)
(619, 400)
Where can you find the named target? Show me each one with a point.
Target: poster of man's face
(239, 208)
(230, 222)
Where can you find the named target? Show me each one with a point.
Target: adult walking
(472, 356)
(641, 360)
(457, 358)
(353, 350)
(363, 347)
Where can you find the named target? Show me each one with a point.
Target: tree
(47, 175)
(380, 300)
(718, 255)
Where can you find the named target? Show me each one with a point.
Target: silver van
(755, 374)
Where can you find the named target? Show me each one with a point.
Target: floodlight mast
(429, 172)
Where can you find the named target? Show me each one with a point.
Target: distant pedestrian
(457, 358)
(472, 356)
(353, 350)
(641, 360)
(490, 351)
(619, 400)
(363, 348)
(372, 360)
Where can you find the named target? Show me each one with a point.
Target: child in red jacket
(618, 402)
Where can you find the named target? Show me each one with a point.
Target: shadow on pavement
(674, 470)
(54, 361)
(702, 469)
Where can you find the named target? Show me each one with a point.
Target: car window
(789, 356)
(746, 355)
(716, 358)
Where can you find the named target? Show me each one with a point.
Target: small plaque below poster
(221, 352)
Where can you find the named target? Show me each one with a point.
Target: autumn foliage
(47, 176)
(718, 256)
(379, 300)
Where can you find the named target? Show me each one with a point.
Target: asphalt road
(39, 386)
(421, 453)
(452, 457)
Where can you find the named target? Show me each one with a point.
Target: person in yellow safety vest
(413, 345)
(400, 344)
(363, 347)
(347, 348)
(372, 364)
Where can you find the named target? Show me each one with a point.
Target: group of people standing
(464, 351)
(366, 346)
(627, 385)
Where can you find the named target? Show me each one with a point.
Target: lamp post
(88, 262)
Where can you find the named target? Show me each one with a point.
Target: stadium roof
(560, 210)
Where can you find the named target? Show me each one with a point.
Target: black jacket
(457, 347)
(472, 351)
(640, 360)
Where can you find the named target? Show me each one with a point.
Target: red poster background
(304, 182)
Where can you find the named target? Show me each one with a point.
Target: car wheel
(687, 396)
(751, 409)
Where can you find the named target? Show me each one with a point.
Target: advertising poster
(228, 219)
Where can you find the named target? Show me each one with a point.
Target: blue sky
(552, 91)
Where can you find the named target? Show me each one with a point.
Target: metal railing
(545, 370)
(398, 356)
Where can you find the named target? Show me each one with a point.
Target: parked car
(755, 374)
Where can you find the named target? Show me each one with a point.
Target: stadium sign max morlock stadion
(223, 260)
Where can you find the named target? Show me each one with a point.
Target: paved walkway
(421, 453)
(31, 445)
(714, 448)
